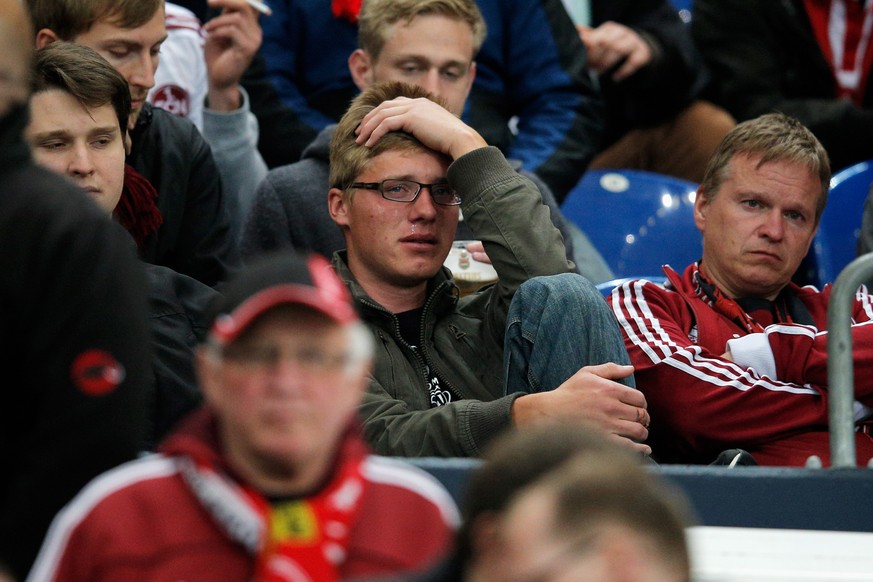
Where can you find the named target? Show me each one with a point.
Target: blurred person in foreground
(271, 478)
(75, 336)
(560, 502)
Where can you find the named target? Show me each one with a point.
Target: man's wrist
(520, 411)
(466, 144)
(228, 99)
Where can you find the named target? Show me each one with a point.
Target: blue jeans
(556, 325)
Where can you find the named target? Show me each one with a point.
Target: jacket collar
(13, 149)
(442, 295)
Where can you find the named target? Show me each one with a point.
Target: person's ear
(701, 205)
(45, 37)
(206, 364)
(361, 68)
(470, 79)
(338, 205)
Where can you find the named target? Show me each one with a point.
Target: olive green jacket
(462, 337)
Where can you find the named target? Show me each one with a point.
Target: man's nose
(81, 163)
(424, 206)
(143, 74)
(774, 225)
(430, 81)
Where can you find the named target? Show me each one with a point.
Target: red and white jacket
(149, 520)
(770, 399)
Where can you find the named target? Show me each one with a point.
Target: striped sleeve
(61, 546)
(703, 401)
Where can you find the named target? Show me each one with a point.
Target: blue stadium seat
(834, 246)
(637, 220)
(607, 286)
(683, 7)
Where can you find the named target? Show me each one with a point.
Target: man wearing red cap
(271, 480)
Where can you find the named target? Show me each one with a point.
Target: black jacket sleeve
(74, 349)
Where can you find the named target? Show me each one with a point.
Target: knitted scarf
(137, 209)
(296, 540)
(348, 9)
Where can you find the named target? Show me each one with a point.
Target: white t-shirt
(180, 81)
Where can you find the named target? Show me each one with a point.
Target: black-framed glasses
(408, 191)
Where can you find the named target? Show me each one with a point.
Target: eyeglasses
(309, 359)
(408, 191)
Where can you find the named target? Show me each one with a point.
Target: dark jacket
(463, 338)
(195, 237)
(764, 57)
(74, 347)
(671, 82)
(177, 312)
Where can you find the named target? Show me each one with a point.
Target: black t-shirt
(410, 331)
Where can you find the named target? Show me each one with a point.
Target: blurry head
(513, 461)
(15, 54)
(284, 368)
(390, 243)
(127, 33)
(597, 518)
(759, 204)
(79, 110)
(430, 43)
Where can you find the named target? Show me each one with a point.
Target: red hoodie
(145, 521)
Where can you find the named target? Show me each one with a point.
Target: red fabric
(348, 9)
(701, 403)
(137, 209)
(142, 522)
(308, 533)
(819, 13)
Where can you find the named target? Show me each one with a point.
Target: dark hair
(70, 18)
(84, 74)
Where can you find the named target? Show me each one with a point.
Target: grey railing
(841, 373)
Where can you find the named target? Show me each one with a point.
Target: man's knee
(567, 291)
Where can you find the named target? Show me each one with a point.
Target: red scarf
(348, 9)
(137, 209)
(299, 540)
(843, 30)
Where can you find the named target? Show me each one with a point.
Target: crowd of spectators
(226, 228)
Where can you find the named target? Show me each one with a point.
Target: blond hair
(377, 16)
(348, 159)
(775, 137)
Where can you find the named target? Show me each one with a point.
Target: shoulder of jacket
(398, 474)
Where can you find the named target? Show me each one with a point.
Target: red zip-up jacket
(142, 521)
(771, 399)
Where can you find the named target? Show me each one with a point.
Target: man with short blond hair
(431, 44)
(270, 479)
(451, 373)
(730, 353)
